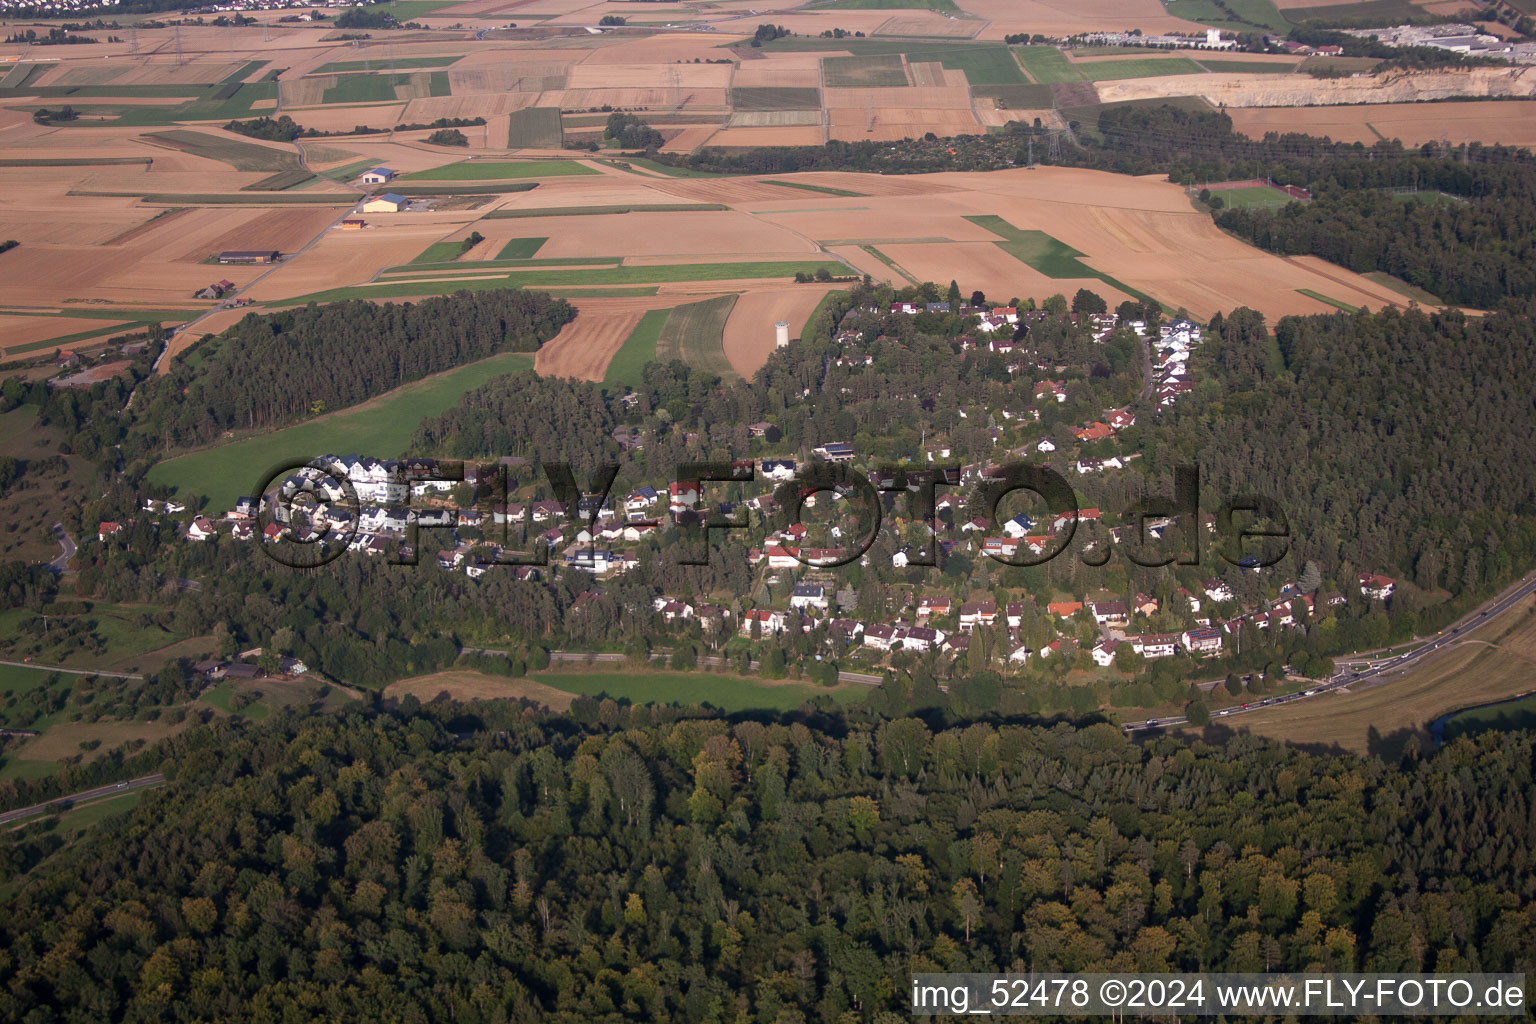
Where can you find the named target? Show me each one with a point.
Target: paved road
(609, 657)
(61, 564)
(111, 789)
(1376, 673)
(72, 671)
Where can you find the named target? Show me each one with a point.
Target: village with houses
(419, 510)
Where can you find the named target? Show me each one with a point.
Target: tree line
(493, 864)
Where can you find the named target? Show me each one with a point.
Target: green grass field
(1148, 67)
(826, 300)
(1335, 303)
(279, 182)
(664, 273)
(14, 679)
(982, 65)
(1047, 65)
(1049, 255)
(409, 10)
(638, 349)
(521, 248)
(118, 641)
(695, 333)
(535, 127)
(383, 63)
(1247, 67)
(1377, 12)
(775, 98)
(865, 71)
(1027, 96)
(19, 770)
(1261, 196)
(500, 170)
(439, 252)
(1337, 65)
(726, 692)
(380, 88)
(1403, 288)
(1252, 14)
(241, 155)
(1517, 714)
(222, 697)
(425, 271)
(824, 190)
(381, 428)
(883, 258)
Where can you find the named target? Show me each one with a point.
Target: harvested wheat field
(1065, 17)
(929, 24)
(700, 236)
(749, 331)
(749, 137)
(344, 258)
(463, 685)
(1511, 122)
(781, 71)
(689, 139)
(584, 346)
(17, 331)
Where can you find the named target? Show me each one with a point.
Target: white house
(377, 176)
(1104, 653)
(769, 622)
(683, 496)
(1202, 641)
(1046, 445)
(809, 595)
(201, 529)
(1020, 654)
(1216, 590)
(1377, 588)
(921, 638)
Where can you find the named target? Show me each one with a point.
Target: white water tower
(781, 334)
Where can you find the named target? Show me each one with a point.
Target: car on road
(122, 785)
(1151, 721)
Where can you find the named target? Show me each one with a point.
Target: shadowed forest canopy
(1391, 439)
(272, 369)
(640, 864)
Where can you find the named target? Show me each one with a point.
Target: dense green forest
(271, 369)
(436, 863)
